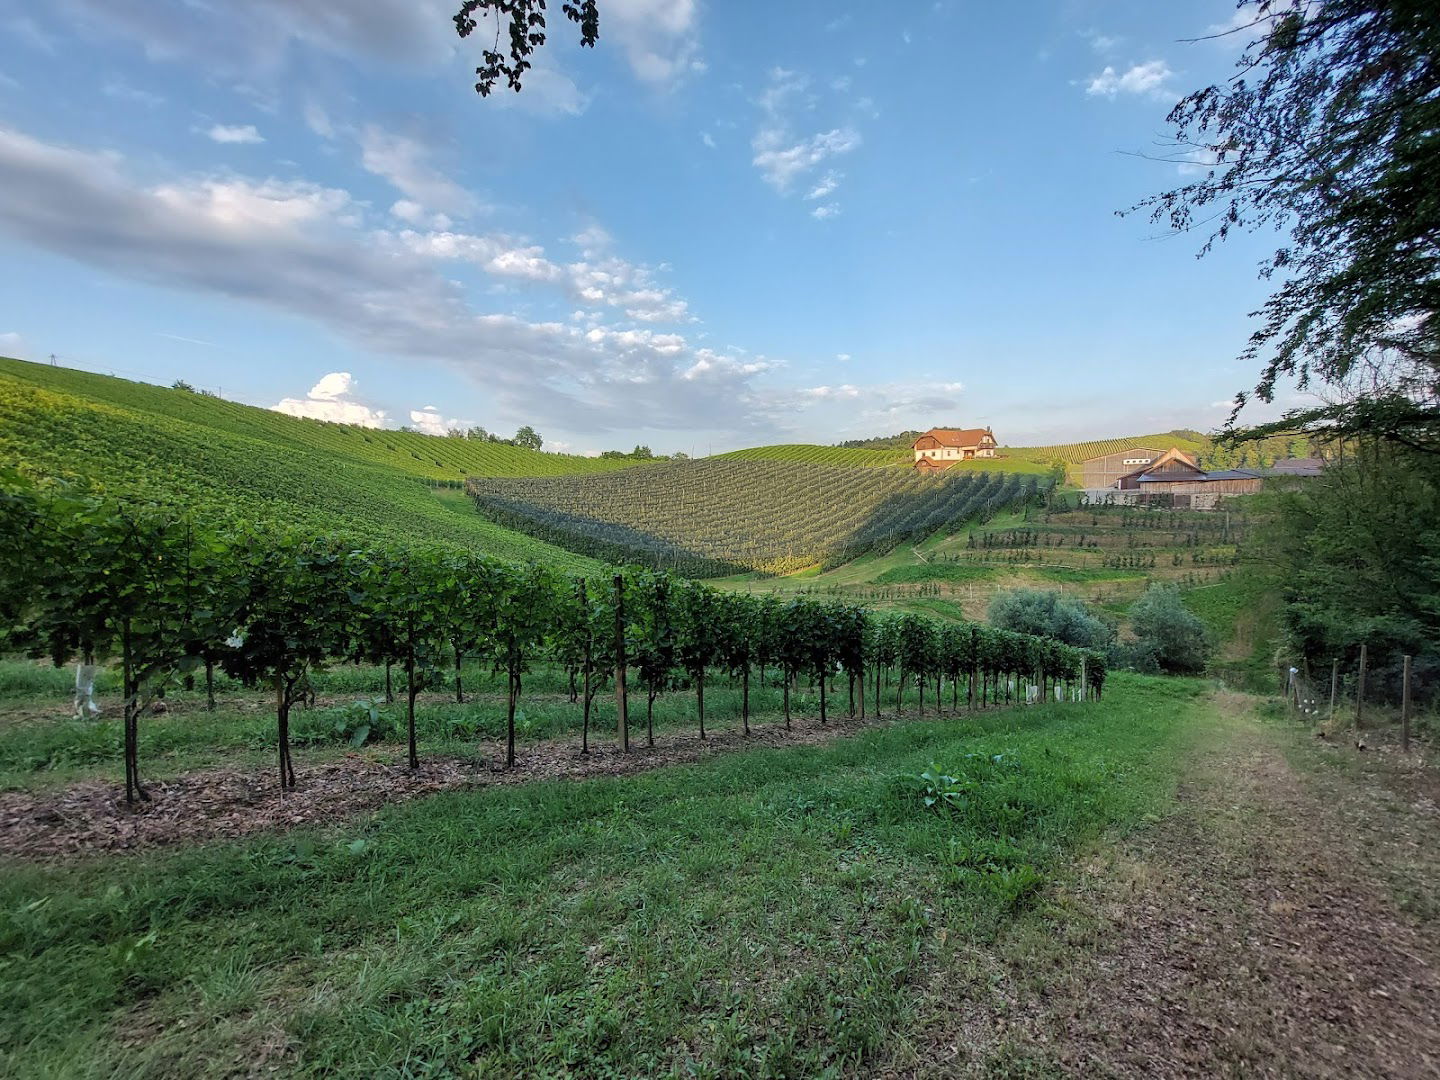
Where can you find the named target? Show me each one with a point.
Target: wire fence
(1360, 695)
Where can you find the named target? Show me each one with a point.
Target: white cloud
(302, 250)
(827, 184)
(13, 345)
(842, 356)
(428, 421)
(599, 280)
(707, 139)
(403, 161)
(660, 38)
(235, 133)
(257, 39)
(1149, 78)
(782, 164)
(832, 392)
(782, 156)
(826, 210)
(413, 213)
(331, 399)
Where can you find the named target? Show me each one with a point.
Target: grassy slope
(765, 913)
(134, 439)
(405, 452)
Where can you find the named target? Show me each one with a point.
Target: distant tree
(454, 433)
(1167, 636)
(522, 23)
(679, 455)
(642, 453)
(1330, 130)
(478, 433)
(528, 438)
(181, 384)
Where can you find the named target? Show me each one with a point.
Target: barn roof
(957, 436)
(1204, 477)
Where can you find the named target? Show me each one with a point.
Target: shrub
(1049, 613)
(1168, 637)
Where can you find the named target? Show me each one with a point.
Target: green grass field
(765, 913)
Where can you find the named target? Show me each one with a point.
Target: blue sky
(728, 224)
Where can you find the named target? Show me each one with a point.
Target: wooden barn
(939, 448)
(1106, 470)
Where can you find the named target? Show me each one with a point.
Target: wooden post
(1334, 686)
(1360, 689)
(1405, 710)
(622, 716)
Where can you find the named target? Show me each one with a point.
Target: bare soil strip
(91, 817)
(1261, 930)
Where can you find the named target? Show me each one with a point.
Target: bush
(1050, 613)
(1168, 637)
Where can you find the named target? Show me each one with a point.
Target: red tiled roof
(957, 436)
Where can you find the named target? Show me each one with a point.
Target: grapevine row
(720, 516)
(163, 595)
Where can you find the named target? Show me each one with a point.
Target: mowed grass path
(772, 912)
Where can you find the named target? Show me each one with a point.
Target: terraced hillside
(215, 456)
(1032, 460)
(719, 516)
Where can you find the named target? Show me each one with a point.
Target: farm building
(1107, 469)
(1175, 479)
(939, 448)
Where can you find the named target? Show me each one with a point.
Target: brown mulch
(1255, 932)
(91, 817)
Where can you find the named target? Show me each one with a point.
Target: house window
(1137, 461)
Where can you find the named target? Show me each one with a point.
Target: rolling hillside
(172, 445)
(723, 515)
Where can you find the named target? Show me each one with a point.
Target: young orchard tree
(699, 635)
(884, 648)
(793, 649)
(295, 614)
(406, 584)
(652, 637)
(464, 608)
(524, 619)
(737, 645)
(584, 620)
(851, 627)
(121, 577)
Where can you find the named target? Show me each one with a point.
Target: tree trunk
(861, 677)
(510, 720)
(131, 689)
(823, 681)
(410, 691)
(786, 684)
(700, 699)
(920, 682)
(745, 699)
(282, 727)
(389, 686)
(877, 692)
(900, 695)
(622, 712)
(459, 679)
(209, 684)
(650, 717)
(585, 722)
